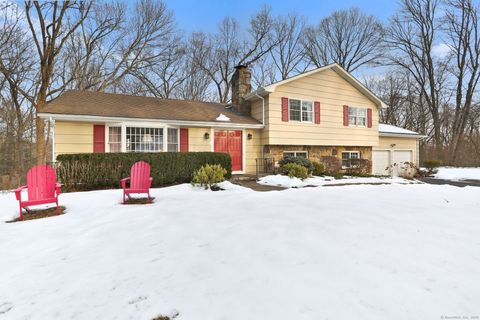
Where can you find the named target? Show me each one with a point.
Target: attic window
(222, 117)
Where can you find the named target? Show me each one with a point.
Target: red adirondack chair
(140, 180)
(42, 188)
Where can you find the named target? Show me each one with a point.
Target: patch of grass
(161, 318)
(139, 200)
(39, 214)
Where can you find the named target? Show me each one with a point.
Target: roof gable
(337, 69)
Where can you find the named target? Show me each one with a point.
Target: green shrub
(359, 167)
(318, 168)
(432, 164)
(91, 171)
(209, 175)
(333, 165)
(295, 170)
(304, 162)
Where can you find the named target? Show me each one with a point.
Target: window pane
(354, 155)
(307, 116)
(295, 110)
(172, 136)
(301, 154)
(306, 106)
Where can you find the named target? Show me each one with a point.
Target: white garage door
(400, 156)
(381, 160)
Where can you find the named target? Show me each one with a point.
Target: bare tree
(347, 37)
(411, 38)
(110, 46)
(464, 41)
(18, 77)
(217, 54)
(51, 24)
(288, 55)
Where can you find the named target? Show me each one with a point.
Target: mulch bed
(40, 214)
(139, 200)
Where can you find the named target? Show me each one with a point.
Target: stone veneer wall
(315, 152)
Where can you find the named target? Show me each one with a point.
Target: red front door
(230, 142)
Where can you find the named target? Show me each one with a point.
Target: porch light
(206, 136)
(249, 136)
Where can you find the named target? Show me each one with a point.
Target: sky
(205, 15)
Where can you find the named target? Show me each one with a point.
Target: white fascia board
(400, 135)
(86, 118)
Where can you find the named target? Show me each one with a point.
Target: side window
(295, 110)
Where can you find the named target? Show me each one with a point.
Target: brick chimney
(241, 85)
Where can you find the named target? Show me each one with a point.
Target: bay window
(142, 139)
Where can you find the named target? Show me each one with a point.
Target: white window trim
(295, 152)
(349, 152)
(366, 117)
(301, 111)
(124, 126)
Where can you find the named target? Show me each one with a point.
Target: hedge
(92, 171)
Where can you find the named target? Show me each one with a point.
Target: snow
(348, 252)
(453, 173)
(287, 182)
(222, 117)
(388, 128)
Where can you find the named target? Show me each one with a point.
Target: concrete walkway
(252, 184)
(461, 183)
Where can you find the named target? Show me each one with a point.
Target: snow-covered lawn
(287, 182)
(453, 173)
(351, 252)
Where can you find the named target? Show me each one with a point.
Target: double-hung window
(347, 157)
(300, 110)
(115, 139)
(172, 136)
(357, 117)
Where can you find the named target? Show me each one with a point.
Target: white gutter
(263, 107)
(400, 135)
(73, 117)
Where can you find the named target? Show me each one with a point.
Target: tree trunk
(40, 131)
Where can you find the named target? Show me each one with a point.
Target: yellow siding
(197, 141)
(253, 150)
(385, 143)
(332, 91)
(73, 137)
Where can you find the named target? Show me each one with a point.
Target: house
(323, 112)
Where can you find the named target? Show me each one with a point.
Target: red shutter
(317, 112)
(284, 109)
(98, 138)
(183, 139)
(345, 116)
(369, 118)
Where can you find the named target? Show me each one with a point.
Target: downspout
(52, 125)
(263, 107)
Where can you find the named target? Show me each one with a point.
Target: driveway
(459, 183)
